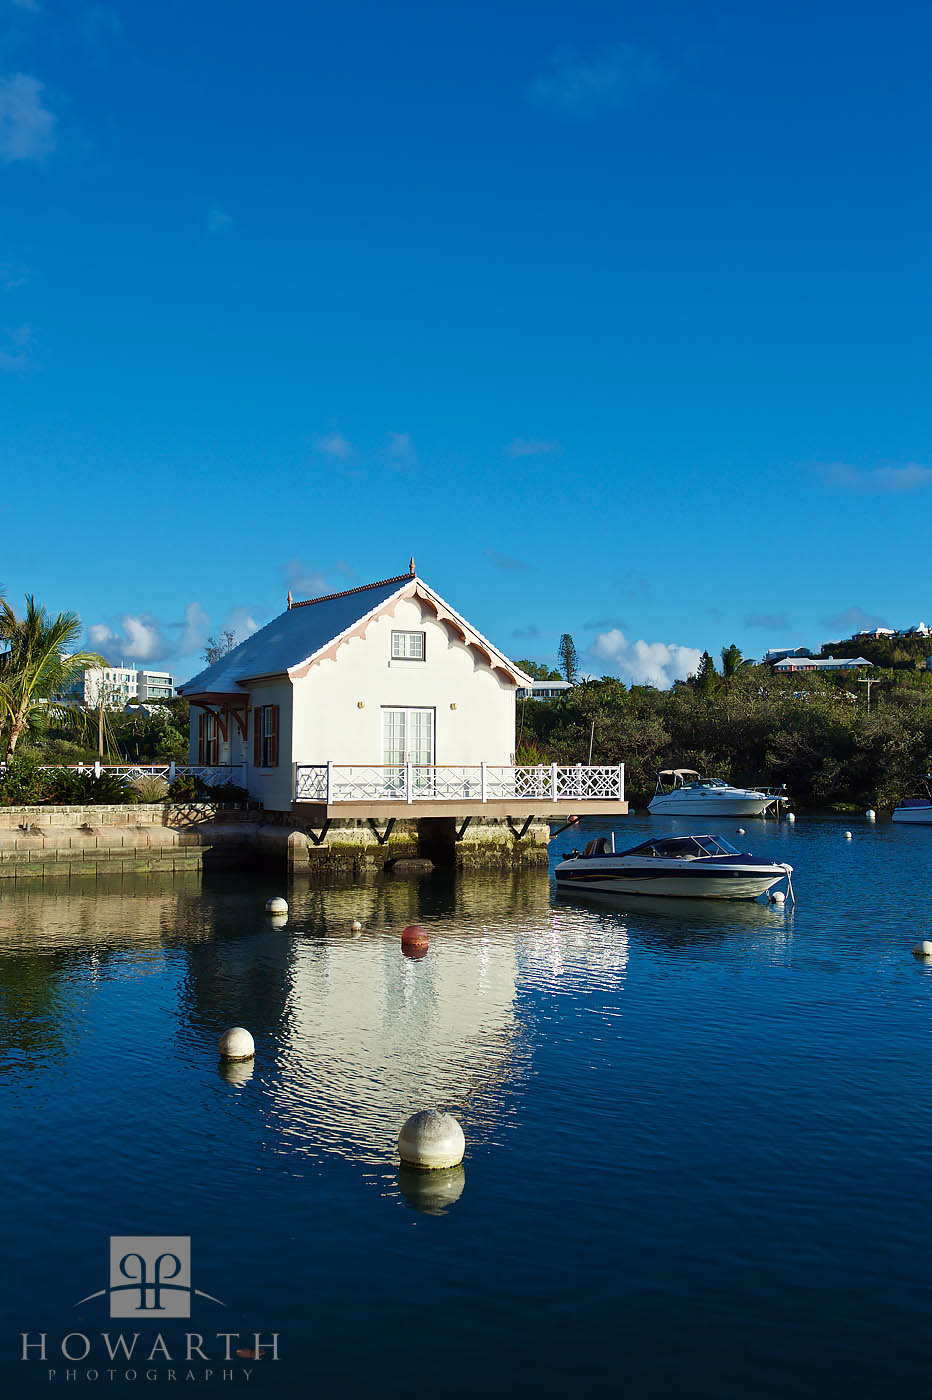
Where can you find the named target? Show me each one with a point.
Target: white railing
(212, 775)
(480, 782)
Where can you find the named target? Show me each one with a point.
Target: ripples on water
(698, 1134)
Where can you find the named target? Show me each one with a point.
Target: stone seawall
(65, 841)
(87, 840)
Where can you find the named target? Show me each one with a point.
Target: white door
(407, 737)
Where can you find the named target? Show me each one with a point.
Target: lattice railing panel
(418, 782)
(361, 784)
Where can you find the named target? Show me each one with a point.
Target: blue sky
(616, 317)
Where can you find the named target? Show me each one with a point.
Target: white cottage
(381, 681)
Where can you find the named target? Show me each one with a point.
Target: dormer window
(408, 646)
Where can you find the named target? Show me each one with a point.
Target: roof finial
(289, 600)
(411, 567)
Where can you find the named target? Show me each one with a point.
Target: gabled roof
(314, 630)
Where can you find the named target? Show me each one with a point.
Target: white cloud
(531, 447)
(615, 76)
(100, 635)
(896, 479)
(193, 630)
(27, 128)
(219, 221)
(303, 579)
(334, 444)
(140, 639)
(644, 663)
(242, 623)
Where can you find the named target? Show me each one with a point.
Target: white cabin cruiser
(681, 792)
(917, 810)
(694, 867)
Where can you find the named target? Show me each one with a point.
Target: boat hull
(742, 805)
(918, 816)
(736, 883)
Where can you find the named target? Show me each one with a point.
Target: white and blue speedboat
(692, 867)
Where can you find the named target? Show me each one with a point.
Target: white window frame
(401, 642)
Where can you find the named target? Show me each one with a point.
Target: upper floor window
(265, 750)
(408, 646)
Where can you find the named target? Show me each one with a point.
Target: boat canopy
(684, 847)
(679, 773)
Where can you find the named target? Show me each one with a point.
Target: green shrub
(23, 784)
(150, 788)
(184, 788)
(77, 789)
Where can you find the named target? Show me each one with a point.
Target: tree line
(822, 735)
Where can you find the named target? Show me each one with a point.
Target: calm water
(699, 1141)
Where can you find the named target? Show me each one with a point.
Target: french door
(407, 737)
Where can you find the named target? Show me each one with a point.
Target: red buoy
(414, 941)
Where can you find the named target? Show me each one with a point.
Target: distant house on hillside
(378, 677)
(840, 664)
(774, 654)
(544, 690)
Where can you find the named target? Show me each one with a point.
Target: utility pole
(869, 681)
(591, 739)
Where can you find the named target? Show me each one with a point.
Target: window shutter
(273, 736)
(257, 743)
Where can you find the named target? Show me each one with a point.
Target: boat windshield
(683, 847)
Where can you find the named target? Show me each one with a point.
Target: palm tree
(36, 665)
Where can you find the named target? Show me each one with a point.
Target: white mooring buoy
(356, 926)
(870, 814)
(791, 816)
(236, 1044)
(741, 831)
(432, 1140)
(276, 905)
(923, 949)
(848, 836)
(777, 897)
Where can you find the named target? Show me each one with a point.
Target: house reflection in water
(372, 1036)
(351, 1035)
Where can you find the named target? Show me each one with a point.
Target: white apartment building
(119, 685)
